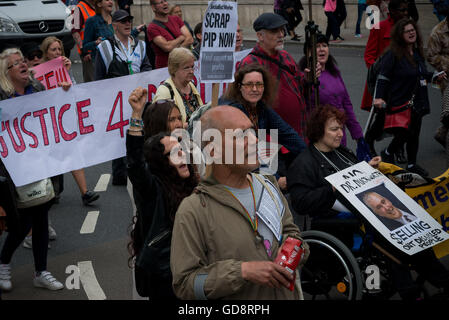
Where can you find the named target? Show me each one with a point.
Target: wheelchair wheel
(331, 272)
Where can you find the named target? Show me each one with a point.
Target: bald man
(391, 216)
(222, 249)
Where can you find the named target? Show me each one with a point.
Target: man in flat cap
(269, 51)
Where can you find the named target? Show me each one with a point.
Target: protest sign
(53, 132)
(218, 42)
(402, 221)
(51, 73)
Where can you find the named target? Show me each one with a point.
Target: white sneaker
(28, 243)
(46, 280)
(51, 233)
(5, 277)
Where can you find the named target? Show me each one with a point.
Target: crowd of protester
(196, 233)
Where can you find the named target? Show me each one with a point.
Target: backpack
(150, 52)
(374, 74)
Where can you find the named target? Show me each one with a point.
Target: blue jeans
(361, 8)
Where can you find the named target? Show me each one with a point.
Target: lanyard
(127, 53)
(255, 222)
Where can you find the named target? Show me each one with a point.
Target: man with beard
(269, 51)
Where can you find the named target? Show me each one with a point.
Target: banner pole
(215, 91)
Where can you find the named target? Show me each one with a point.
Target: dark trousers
(361, 7)
(427, 266)
(36, 218)
(333, 28)
(119, 168)
(409, 136)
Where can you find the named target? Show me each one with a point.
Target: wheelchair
(336, 272)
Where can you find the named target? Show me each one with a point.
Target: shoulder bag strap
(168, 85)
(278, 63)
(160, 24)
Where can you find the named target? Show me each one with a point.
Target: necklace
(339, 155)
(254, 223)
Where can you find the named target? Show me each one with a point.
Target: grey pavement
(106, 248)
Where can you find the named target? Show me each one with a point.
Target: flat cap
(269, 21)
(120, 15)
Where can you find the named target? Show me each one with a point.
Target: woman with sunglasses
(161, 179)
(253, 92)
(179, 87)
(32, 54)
(16, 81)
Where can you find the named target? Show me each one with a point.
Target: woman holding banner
(179, 87)
(161, 179)
(15, 81)
(312, 195)
(53, 48)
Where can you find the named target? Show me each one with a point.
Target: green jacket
(211, 238)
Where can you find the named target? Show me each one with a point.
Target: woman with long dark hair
(402, 89)
(161, 178)
(332, 88)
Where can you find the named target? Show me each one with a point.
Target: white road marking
(90, 222)
(103, 182)
(90, 282)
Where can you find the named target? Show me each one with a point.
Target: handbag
(35, 193)
(400, 116)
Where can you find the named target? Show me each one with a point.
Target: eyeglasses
(31, 56)
(250, 85)
(16, 63)
(188, 68)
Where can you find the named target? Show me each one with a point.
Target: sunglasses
(125, 21)
(31, 56)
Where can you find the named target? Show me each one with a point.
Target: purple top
(333, 91)
(277, 4)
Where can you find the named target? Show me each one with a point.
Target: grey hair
(5, 82)
(177, 57)
(367, 195)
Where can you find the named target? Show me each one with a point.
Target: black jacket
(152, 224)
(310, 193)
(8, 199)
(404, 81)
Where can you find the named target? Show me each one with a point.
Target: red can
(289, 256)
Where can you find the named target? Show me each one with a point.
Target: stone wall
(193, 12)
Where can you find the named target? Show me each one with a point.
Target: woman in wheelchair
(312, 195)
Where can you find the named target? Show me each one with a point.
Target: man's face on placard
(382, 206)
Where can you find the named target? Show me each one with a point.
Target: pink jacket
(330, 5)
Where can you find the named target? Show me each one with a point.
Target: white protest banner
(53, 132)
(402, 221)
(51, 73)
(218, 42)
